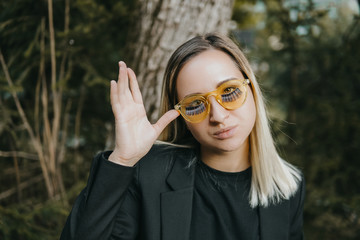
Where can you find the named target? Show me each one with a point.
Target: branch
(36, 142)
(41, 76)
(16, 99)
(57, 97)
(66, 31)
(62, 151)
(19, 154)
(52, 45)
(29, 182)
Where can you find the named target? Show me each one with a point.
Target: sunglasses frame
(206, 96)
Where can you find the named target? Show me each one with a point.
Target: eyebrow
(226, 80)
(217, 85)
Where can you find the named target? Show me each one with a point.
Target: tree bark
(163, 26)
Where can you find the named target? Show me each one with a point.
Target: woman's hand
(134, 134)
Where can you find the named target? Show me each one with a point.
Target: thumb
(165, 120)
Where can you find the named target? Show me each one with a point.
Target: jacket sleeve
(93, 214)
(297, 207)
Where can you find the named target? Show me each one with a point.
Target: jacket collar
(176, 205)
(182, 173)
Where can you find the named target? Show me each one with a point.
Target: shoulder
(300, 192)
(299, 195)
(162, 153)
(295, 201)
(162, 157)
(166, 150)
(298, 199)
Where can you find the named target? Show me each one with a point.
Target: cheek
(252, 112)
(251, 115)
(195, 129)
(247, 114)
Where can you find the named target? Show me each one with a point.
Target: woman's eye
(229, 89)
(195, 107)
(195, 103)
(231, 95)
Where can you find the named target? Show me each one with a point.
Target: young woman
(216, 173)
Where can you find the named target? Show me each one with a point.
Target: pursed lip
(225, 132)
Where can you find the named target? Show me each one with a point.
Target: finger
(123, 81)
(134, 87)
(113, 95)
(165, 120)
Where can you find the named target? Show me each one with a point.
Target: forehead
(203, 72)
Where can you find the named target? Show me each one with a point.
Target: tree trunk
(163, 26)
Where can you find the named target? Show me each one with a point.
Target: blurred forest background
(58, 57)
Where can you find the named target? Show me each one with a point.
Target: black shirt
(221, 207)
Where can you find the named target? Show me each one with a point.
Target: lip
(225, 133)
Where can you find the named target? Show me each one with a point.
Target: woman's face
(222, 130)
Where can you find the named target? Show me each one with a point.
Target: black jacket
(153, 200)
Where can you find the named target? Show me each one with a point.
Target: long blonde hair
(273, 179)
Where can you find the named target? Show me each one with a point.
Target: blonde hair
(273, 179)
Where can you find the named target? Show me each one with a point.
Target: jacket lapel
(274, 221)
(176, 205)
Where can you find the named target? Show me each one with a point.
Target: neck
(227, 161)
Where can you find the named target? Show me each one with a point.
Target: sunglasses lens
(232, 94)
(194, 109)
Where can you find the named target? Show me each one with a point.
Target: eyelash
(190, 111)
(232, 96)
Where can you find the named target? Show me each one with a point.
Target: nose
(218, 113)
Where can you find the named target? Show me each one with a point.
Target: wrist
(116, 158)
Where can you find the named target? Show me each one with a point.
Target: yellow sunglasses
(230, 94)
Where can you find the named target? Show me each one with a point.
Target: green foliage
(32, 223)
(34, 220)
(312, 79)
(245, 15)
(331, 151)
(92, 45)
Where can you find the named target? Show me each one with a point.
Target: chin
(224, 146)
